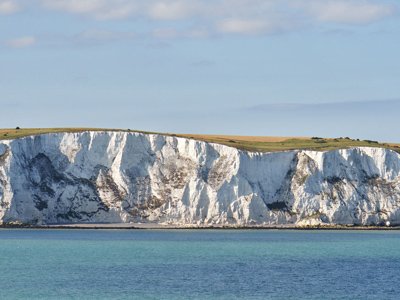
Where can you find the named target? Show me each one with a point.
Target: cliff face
(132, 177)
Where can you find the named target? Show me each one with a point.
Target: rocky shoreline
(194, 227)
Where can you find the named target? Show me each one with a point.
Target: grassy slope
(251, 143)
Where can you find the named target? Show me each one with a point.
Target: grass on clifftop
(250, 143)
(272, 144)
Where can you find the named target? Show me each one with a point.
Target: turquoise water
(199, 264)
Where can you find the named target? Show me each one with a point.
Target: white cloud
(8, 7)
(99, 9)
(174, 10)
(350, 12)
(21, 42)
(242, 26)
(120, 9)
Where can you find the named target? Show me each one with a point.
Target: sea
(199, 264)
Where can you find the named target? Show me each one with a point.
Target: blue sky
(250, 67)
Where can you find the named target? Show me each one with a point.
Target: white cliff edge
(120, 177)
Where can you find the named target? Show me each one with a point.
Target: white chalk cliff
(132, 177)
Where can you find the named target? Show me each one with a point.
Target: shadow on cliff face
(44, 193)
(4, 155)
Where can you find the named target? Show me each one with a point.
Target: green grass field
(250, 143)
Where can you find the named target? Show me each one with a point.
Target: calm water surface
(199, 264)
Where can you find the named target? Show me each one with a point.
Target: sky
(327, 68)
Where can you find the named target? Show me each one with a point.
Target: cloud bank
(341, 11)
(240, 17)
(350, 12)
(199, 19)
